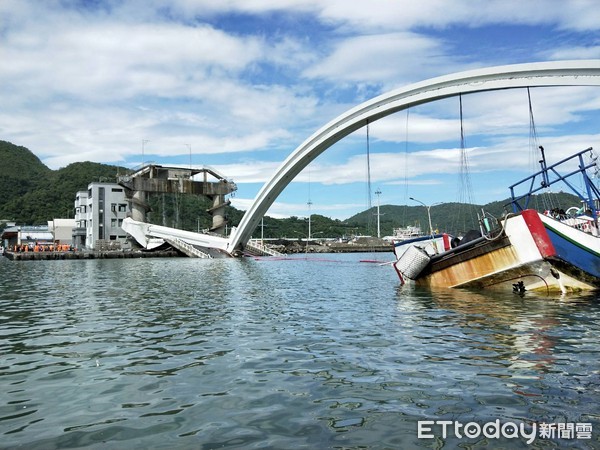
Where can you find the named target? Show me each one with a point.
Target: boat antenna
(465, 195)
(405, 211)
(546, 200)
(545, 180)
(533, 137)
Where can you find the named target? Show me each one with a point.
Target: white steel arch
(554, 73)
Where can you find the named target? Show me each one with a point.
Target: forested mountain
(20, 172)
(31, 193)
(453, 218)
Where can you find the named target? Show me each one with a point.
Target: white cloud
(91, 81)
(575, 52)
(249, 171)
(389, 14)
(102, 61)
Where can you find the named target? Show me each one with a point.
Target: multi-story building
(99, 214)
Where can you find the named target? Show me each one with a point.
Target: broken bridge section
(153, 178)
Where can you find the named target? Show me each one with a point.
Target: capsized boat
(526, 249)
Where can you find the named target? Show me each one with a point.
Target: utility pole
(309, 214)
(378, 193)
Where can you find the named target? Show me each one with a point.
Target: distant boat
(406, 233)
(526, 249)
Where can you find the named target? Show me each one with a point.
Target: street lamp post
(428, 207)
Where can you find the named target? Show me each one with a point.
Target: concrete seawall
(114, 254)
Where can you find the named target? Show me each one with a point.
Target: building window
(117, 190)
(122, 207)
(113, 207)
(120, 222)
(113, 223)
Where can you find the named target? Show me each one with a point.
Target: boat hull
(581, 251)
(534, 252)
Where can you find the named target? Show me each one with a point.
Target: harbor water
(315, 352)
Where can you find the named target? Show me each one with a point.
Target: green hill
(450, 217)
(20, 172)
(31, 193)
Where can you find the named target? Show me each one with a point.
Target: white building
(99, 214)
(62, 230)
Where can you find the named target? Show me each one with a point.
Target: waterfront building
(99, 214)
(26, 235)
(56, 232)
(62, 230)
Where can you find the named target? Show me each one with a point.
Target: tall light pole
(378, 193)
(428, 207)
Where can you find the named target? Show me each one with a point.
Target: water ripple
(301, 353)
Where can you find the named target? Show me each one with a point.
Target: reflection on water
(301, 353)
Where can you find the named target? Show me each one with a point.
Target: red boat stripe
(540, 236)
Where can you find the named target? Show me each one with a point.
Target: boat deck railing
(549, 175)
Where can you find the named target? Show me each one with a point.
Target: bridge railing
(256, 248)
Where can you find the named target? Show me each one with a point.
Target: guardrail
(255, 248)
(188, 249)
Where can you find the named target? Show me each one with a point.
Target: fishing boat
(526, 250)
(408, 232)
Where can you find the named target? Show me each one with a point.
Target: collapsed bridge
(552, 73)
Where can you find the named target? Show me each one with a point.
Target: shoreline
(171, 253)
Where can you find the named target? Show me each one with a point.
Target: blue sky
(242, 83)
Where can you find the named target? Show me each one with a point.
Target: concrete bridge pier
(170, 180)
(219, 221)
(139, 206)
